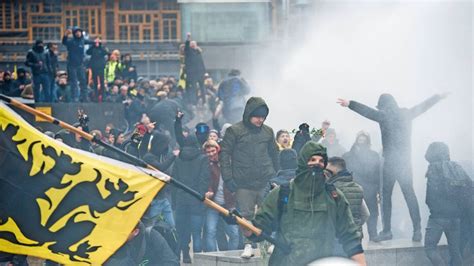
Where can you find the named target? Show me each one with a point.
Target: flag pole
(209, 203)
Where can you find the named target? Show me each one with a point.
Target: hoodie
(249, 154)
(37, 60)
(448, 185)
(192, 169)
(312, 218)
(75, 48)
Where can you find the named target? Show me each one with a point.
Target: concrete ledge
(395, 252)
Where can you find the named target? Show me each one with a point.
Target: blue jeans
(189, 224)
(159, 207)
(77, 74)
(42, 81)
(211, 231)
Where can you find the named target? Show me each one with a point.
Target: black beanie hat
(261, 111)
(288, 159)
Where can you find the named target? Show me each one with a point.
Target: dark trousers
(192, 87)
(452, 230)
(99, 85)
(42, 87)
(189, 223)
(370, 197)
(77, 74)
(395, 171)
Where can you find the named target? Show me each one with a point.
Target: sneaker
(383, 236)
(416, 236)
(248, 252)
(270, 249)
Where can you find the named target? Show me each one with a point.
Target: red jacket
(229, 197)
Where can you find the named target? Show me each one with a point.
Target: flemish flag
(64, 204)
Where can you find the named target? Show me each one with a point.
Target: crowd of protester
(158, 113)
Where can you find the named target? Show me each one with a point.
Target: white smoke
(360, 49)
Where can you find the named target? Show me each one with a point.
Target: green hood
(305, 182)
(252, 104)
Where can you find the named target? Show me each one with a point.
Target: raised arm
(362, 109)
(178, 129)
(65, 40)
(425, 105)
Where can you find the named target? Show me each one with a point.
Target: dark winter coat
(301, 137)
(192, 169)
(448, 189)
(126, 73)
(53, 63)
(151, 244)
(195, 68)
(353, 193)
(164, 113)
(395, 123)
(38, 61)
(231, 92)
(98, 57)
(75, 48)
(312, 218)
(364, 164)
(249, 154)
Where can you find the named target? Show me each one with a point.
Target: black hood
(437, 152)
(160, 144)
(387, 102)
(37, 47)
(76, 29)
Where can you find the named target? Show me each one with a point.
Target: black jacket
(364, 164)
(53, 63)
(147, 248)
(38, 61)
(98, 57)
(75, 48)
(195, 68)
(395, 122)
(192, 169)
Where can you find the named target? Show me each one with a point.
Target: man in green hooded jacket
(313, 217)
(248, 159)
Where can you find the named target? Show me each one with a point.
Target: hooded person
(75, 62)
(249, 158)
(98, 53)
(449, 199)
(364, 163)
(7, 86)
(288, 165)
(301, 137)
(231, 93)
(395, 127)
(314, 215)
(159, 156)
(192, 169)
(331, 142)
(38, 60)
(144, 246)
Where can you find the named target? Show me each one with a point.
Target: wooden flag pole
(209, 203)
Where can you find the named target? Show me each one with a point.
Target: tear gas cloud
(360, 49)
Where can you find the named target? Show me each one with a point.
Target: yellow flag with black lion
(63, 204)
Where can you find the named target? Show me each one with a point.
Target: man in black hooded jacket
(75, 62)
(395, 126)
(448, 198)
(38, 60)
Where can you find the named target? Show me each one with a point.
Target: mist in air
(360, 49)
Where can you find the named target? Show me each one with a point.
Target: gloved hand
(231, 218)
(231, 185)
